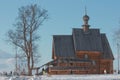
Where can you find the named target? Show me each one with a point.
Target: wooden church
(86, 51)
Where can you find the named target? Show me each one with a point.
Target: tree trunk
(29, 67)
(30, 72)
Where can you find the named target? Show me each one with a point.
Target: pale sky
(63, 16)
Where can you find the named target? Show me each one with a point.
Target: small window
(93, 62)
(86, 56)
(71, 64)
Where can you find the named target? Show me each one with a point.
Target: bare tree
(25, 36)
(116, 38)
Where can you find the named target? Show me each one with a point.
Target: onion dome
(85, 19)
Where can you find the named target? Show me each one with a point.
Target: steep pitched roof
(87, 41)
(92, 40)
(107, 52)
(63, 45)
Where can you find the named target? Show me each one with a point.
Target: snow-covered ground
(64, 77)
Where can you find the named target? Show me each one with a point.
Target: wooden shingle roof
(87, 41)
(92, 40)
(63, 45)
(107, 52)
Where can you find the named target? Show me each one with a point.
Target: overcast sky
(63, 16)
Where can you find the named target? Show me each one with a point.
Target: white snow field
(65, 77)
